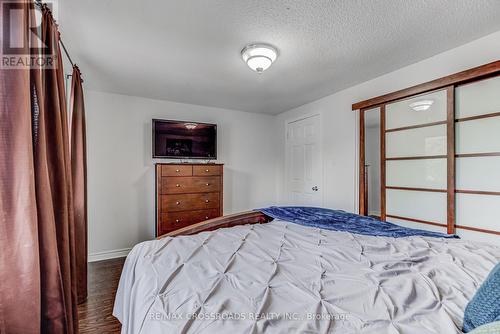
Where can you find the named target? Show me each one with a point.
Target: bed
(255, 275)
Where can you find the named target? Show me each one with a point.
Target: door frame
(287, 122)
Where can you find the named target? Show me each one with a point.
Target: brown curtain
(19, 258)
(54, 193)
(79, 174)
(38, 287)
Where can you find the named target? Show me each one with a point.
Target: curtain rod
(66, 52)
(40, 5)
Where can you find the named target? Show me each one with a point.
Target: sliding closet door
(478, 158)
(416, 160)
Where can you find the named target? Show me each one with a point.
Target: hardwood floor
(95, 315)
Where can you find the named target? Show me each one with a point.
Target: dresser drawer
(183, 202)
(176, 170)
(194, 184)
(200, 170)
(175, 220)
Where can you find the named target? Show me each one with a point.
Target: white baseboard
(106, 255)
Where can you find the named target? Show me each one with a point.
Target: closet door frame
(448, 83)
(450, 159)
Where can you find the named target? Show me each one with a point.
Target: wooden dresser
(187, 194)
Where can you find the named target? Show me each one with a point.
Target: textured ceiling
(188, 51)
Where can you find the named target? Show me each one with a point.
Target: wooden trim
(450, 140)
(382, 164)
(453, 79)
(473, 118)
(478, 192)
(362, 187)
(476, 229)
(477, 155)
(417, 220)
(418, 189)
(244, 218)
(422, 157)
(423, 125)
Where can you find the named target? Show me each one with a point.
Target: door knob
(315, 188)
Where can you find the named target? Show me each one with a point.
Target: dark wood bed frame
(243, 218)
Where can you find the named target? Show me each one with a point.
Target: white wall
(340, 125)
(121, 170)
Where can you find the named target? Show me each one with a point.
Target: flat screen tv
(184, 140)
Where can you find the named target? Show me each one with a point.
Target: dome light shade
(259, 57)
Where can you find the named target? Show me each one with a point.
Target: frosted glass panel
(481, 173)
(410, 224)
(478, 236)
(481, 97)
(416, 142)
(479, 211)
(429, 173)
(421, 205)
(372, 159)
(478, 136)
(400, 114)
(372, 118)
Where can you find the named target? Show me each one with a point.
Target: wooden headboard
(244, 218)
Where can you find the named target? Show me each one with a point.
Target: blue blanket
(338, 220)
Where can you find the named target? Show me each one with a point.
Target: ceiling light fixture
(421, 105)
(190, 126)
(259, 57)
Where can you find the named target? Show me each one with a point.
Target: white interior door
(304, 170)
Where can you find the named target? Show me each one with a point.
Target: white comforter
(285, 278)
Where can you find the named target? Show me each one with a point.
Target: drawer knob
(206, 170)
(206, 217)
(206, 201)
(177, 220)
(177, 203)
(208, 184)
(177, 185)
(177, 170)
